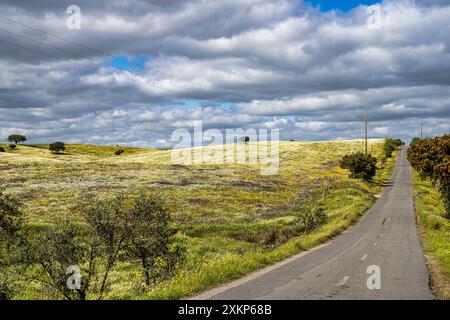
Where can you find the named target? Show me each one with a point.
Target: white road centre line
(364, 257)
(343, 281)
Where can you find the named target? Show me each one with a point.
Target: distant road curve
(384, 240)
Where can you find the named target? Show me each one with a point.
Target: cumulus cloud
(253, 63)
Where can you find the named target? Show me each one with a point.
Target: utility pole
(421, 129)
(366, 120)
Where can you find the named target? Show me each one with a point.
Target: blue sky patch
(129, 63)
(342, 5)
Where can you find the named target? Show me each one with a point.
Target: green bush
(10, 219)
(390, 145)
(244, 139)
(59, 249)
(119, 152)
(431, 158)
(152, 240)
(7, 286)
(310, 220)
(12, 146)
(360, 165)
(57, 147)
(10, 223)
(137, 230)
(2, 149)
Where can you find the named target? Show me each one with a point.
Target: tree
(57, 147)
(360, 165)
(431, 159)
(390, 145)
(61, 251)
(153, 242)
(244, 139)
(111, 229)
(117, 228)
(10, 224)
(16, 138)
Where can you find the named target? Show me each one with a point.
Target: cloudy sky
(137, 70)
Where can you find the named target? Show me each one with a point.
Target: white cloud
(382, 131)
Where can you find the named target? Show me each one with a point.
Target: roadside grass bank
(434, 230)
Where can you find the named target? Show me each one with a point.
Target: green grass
(435, 234)
(216, 207)
(84, 149)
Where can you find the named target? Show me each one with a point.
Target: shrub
(110, 228)
(12, 146)
(10, 222)
(152, 240)
(310, 220)
(119, 228)
(10, 219)
(431, 158)
(119, 152)
(271, 236)
(7, 286)
(360, 165)
(57, 147)
(59, 249)
(244, 139)
(2, 149)
(390, 145)
(140, 226)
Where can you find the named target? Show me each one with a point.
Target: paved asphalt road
(386, 236)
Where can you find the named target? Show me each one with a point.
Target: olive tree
(67, 257)
(17, 138)
(153, 241)
(57, 147)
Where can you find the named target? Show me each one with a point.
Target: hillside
(227, 212)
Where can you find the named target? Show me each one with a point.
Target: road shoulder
(434, 232)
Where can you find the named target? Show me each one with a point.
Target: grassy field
(435, 235)
(218, 208)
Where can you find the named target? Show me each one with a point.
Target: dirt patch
(252, 185)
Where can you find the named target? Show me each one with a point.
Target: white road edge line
(343, 281)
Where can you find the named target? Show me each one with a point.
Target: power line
(37, 51)
(40, 42)
(49, 34)
(84, 66)
(232, 92)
